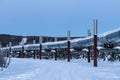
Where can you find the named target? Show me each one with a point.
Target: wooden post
(95, 43)
(88, 54)
(55, 54)
(68, 45)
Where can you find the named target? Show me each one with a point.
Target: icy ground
(29, 69)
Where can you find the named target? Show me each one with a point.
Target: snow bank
(29, 69)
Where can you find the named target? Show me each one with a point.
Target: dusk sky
(56, 17)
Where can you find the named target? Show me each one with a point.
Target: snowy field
(30, 69)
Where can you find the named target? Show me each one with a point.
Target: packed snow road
(30, 69)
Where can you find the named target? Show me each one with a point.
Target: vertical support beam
(95, 43)
(95, 50)
(68, 37)
(68, 46)
(40, 52)
(68, 51)
(34, 54)
(34, 51)
(55, 50)
(55, 54)
(88, 54)
(89, 34)
(10, 53)
(22, 53)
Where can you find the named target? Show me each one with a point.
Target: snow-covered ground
(30, 69)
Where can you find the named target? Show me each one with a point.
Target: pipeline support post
(88, 54)
(95, 43)
(34, 51)
(22, 53)
(68, 45)
(95, 50)
(40, 51)
(34, 54)
(68, 51)
(10, 53)
(55, 54)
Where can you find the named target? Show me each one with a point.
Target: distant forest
(15, 39)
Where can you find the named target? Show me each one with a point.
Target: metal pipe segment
(108, 37)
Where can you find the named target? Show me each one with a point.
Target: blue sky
(56, 17)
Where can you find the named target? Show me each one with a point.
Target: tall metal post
(89, 34)
(22, 53)
(88, 54)
(55, 51)
(34, 54)
(10, 53)
(55, 54)
(95, 43)
(40, 52)
(68, 46)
